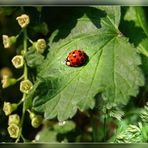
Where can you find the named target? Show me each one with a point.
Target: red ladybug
(76, 58)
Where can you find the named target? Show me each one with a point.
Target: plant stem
(105, 126)
(96, 127)
(20, 78)
(25, 76)
(30, 41)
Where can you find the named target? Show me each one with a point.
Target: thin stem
(104, 127)
(19, 34)
(23, 138)
(30, 41)
(20, 78)
(95, 126)
(21, 101)
(25, 50)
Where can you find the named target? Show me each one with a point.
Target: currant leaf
(111, 70)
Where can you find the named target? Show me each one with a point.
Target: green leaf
(137, 15)
(143, 47)
(33, 59)
(136, 28)
(46, 135)
(112, 68)
(113, 14)
(64, 127)
(128, 133)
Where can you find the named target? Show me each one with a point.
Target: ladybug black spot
(78, 63)
(73, 52)
(77, 60)
(80, 54)
(82, 59)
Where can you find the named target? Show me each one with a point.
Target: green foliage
(51, 133)
(105, 98)
(129, 133)
(144, 114)
(137, 18)
(64, 127)
(112, 68)
(33, 58)
(46, 135)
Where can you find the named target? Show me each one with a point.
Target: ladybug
(76, 58)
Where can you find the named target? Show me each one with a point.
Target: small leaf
(143, 47)
(46, 135)
(33, 58)
(64, 127)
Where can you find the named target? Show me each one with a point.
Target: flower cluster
(7, 81)
(40, 45)
(36, 120)
(23, 20)
(8, 41)
(13, 128)
(8, 108)
(26, 86)
(18, 61)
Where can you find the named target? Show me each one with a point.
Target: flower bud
(18, 61)
(6, 71)
(40, 45)
(13, 130)
(26, 86)
(36, 121)
(41, 28)
(8, 108)
(6, 81)
(31, 115)
(23, 20)
(8, 41)
(14, 119)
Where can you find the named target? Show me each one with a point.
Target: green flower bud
(36, 121)
(8, 41)
(41, 28)
(14, 119)
(31, 115)
(13, 39)
(18, 61)
(39, 8)
(8, 108)
(23, 20)
(40, 45)
(26, 86)
(6, 81)
(13, 130)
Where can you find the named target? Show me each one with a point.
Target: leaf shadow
(41, 90)
(135, 34)
(130, 30)
(92, 13)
